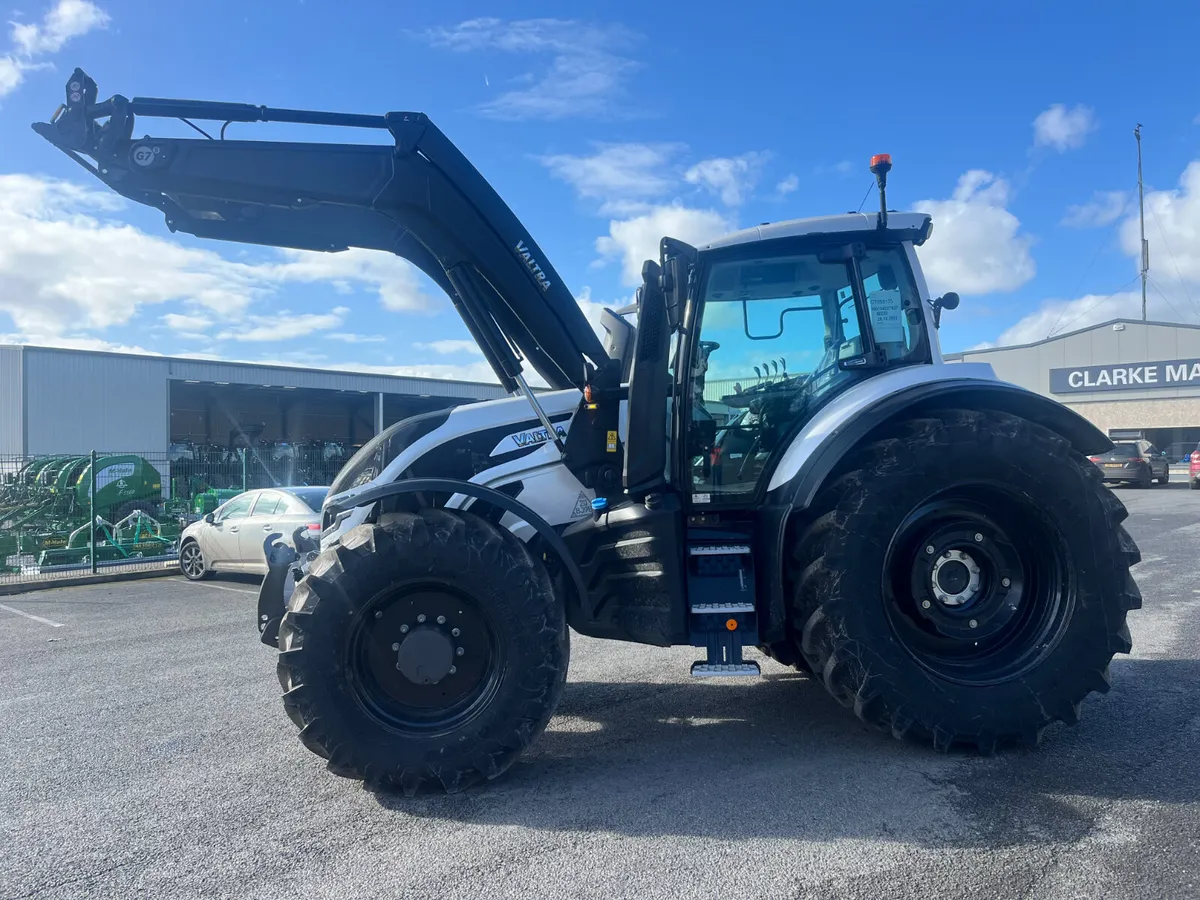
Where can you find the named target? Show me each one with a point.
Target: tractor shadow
(778, 758)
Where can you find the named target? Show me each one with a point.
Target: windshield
(773, 332)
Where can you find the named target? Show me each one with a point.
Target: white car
(230, 538)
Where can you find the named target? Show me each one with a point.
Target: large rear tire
(428, 650)
(965, 581)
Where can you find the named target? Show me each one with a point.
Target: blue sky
(1012, 125)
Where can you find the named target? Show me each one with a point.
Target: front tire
(428, 650)
(966, 581)
(192, 563)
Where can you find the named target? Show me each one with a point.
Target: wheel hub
(955, 578)
(425, 656)
(975, 576)
(422, 658)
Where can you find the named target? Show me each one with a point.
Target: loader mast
(418, 198)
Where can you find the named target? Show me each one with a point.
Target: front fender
(815, 452)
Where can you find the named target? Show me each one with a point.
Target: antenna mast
(1137, 133)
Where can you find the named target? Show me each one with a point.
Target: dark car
(1139, 462)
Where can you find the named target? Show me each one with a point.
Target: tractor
(929, 543)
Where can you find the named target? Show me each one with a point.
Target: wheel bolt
(455, 632)
(395, 646)
(978, 538)
(973, 624)
(929, 549)
(404, 629)
(1006, 581)
(441, 620)
(460, 651)
(453, 670)
(379, 615)
(421, 617)
(397, 667)
(926, 604)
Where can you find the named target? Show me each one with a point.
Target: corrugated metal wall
(12, 438)
(1030, 365)
(284, 376)
(76, 402)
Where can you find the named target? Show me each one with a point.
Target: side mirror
(676, 262)
(949, 300)
(210, 518)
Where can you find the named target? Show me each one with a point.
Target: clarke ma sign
(1172, 373)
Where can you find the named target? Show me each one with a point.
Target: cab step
(717, 609)
(723, 614)
(746, 668)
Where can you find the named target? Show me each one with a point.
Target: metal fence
(72, 514)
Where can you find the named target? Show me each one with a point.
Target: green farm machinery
(46, 505)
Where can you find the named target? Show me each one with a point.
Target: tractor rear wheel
(429, 650)
(965, 581)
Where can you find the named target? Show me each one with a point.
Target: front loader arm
(419, 198)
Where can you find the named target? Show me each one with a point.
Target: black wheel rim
(424, 658)
(192, 560)
(978, 585)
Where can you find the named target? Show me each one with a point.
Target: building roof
(185, 368)
(959, 354)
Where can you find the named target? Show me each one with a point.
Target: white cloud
(11, 73)
(66, 265)
(284, 326)
(1104, 208)
(1174, 293)
(585, 74)
(731, 178)
(66, 19)
(451, 346)
(1172, 216)
(397, 282)
(75, 342)
(1063, 129)
(347, 338)
(976, 247)
(1059, 316)
(633, 241)
(187, 324)
(63, 268)
(787, 186)
(621, 175)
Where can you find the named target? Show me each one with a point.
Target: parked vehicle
(230, 538)
(1138, 462)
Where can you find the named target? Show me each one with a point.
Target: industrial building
(1134, 380)
(56, 401)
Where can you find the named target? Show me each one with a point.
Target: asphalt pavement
(144, 753)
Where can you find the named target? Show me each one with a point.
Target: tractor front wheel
(966, 581)
(429, 650)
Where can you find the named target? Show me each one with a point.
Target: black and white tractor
(928, 542)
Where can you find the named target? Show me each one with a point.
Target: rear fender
(814, 454)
